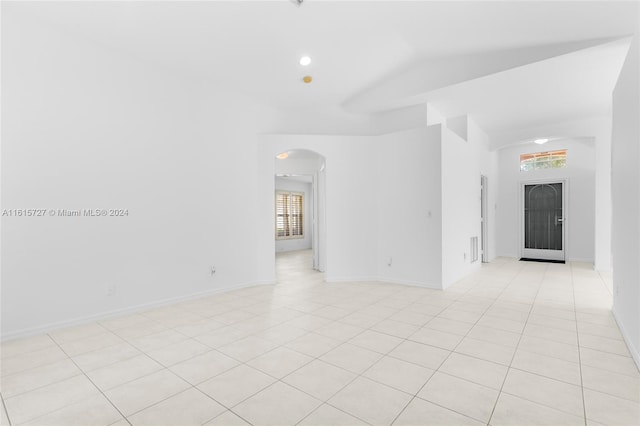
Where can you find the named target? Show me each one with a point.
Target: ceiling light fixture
(282, 155)
(307, 79)
(305, 60)
(541, 141)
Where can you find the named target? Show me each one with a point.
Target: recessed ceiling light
(307, 79)
(541, 141)
(282, 155)
(305, 60)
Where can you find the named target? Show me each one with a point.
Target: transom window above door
(543, 160)
(289, 215)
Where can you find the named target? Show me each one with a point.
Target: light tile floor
(514, 344)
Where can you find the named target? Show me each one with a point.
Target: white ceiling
(357, 46)
(577, 84)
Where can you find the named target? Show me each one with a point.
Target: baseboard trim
(507, 256)
(261, 282)
(411, 283)
(384, 280)
(58, 325)
(580, 260)
(625, 335)
(349, 279)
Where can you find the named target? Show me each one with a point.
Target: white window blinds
(289, 215)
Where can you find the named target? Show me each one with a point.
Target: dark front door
(543, 221)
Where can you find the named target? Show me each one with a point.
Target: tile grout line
(191, 386)
(515, 351)
(167, 368)
(317, 358)
(245, 363)
(357, 375)
(445, 360)
(403, 340)
(33, 368)
(459, 298)
(361, 374)
(579, 363)
(55, 343)
(91, 381)
(573, 291)
(602, 281)
(4, 406)
(241, 363)
(227, 409)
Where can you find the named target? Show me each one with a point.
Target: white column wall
(626, 200)
(409, 207)
(463, 163)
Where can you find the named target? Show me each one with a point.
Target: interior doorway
(300, 224)
(543, 221)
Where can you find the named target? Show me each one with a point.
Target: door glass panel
(543, 216)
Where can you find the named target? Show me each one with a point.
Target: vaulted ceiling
(507, 64)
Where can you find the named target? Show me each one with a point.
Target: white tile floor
(514, 344)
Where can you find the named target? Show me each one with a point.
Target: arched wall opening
(299, 204)
(363, 175)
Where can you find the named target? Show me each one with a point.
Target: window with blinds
(289, 215)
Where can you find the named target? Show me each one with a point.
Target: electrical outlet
(111, 290)
(390, 261)
(213, 270)
(464, 256)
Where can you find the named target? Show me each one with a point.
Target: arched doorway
(300, 213)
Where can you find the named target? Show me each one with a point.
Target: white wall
(603, 224)
(87, 128)
(463, 163)
(84, 127)
(287, 184)
(350, 201)
(388, 197)
(626, 201)
(580, 217)
(493, 194)
(362, 172)
(409, 207)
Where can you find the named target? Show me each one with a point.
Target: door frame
(565, 214)
(319, 236)
(484, 219)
